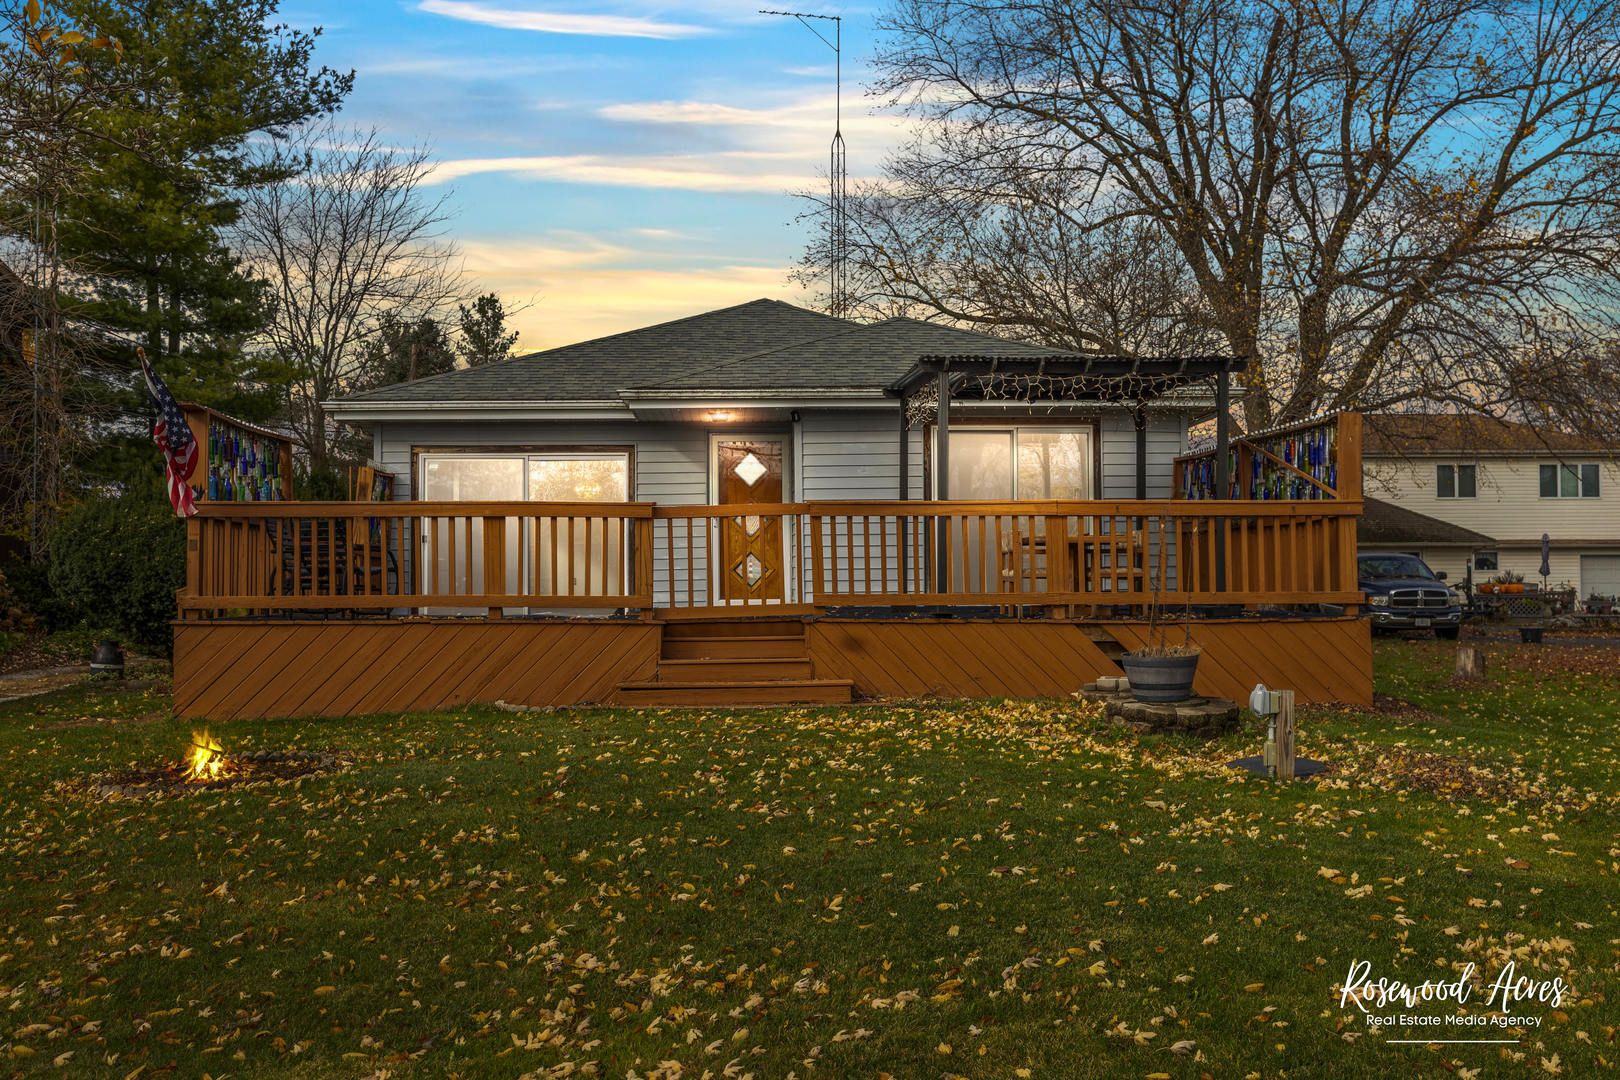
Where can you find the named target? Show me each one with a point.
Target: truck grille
(1419, 598)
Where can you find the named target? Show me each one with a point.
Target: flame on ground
(206, 758)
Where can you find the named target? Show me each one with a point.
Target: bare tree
(353, 241)
(1385, 202)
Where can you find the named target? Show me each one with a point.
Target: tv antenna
(837, 173)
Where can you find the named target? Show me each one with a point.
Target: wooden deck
(238, 668)
(346, 608)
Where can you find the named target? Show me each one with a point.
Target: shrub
(116, 563)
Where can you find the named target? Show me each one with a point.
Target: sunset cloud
(576, 288)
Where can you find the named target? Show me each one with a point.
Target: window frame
(1495, 557)
(1454, 474)
(1587, 477)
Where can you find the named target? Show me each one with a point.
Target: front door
(748, 472)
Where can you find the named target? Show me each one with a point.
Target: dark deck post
(901, 523)
(1223, 479)
(942, 487)
(1139, 418)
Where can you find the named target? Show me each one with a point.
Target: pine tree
(150, 236)
(484, 336)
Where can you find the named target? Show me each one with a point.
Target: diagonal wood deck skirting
(240, 668)
(229, 668)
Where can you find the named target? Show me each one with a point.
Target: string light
(1049, 394)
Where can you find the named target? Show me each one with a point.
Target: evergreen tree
(404, 350)
(484, 336)
(149, 237)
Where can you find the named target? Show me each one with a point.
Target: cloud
(550, 22)
(579, 288)
(719, 172)
(770, 148)
(414, 65)
(797, 123)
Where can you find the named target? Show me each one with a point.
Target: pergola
(1047, 379)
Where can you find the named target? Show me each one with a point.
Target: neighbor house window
(1485, 561)
(1454, 481)
(1569, 481)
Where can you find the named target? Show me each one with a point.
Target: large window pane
(1569, 482)
(980, 465)
(468, 478)
(1465, 481)
(579, 479)
(1445, 482)
(1589, 481)
(590, 553)
(1053, 464)
(1549, 481)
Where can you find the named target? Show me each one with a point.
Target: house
(1385, 527)
(1504, 480)
(767, 504)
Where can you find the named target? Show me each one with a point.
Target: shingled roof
(1403, 434)
(1383, 524)
(764, 345)
(860, 357)
(597, 370)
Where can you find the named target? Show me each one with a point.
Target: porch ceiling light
(721, 416)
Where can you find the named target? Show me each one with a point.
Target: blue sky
(613, 165)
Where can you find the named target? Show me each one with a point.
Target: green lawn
(976, 890)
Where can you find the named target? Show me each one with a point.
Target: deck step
(733, 628)
(748, 669)
(773, 692)
(762, 646)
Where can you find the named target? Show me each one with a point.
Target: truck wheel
(1447, 633)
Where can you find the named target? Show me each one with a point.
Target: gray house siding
(832, 456)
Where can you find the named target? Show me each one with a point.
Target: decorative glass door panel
(751, 556)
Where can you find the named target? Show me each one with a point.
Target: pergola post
(1139, 418)
(942, 487)
(901, 523)
(1223, 477)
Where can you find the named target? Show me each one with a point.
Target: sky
(610, 165)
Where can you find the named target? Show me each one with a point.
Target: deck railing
(672, 561)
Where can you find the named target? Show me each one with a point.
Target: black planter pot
(1530, 635)
(1160, 678)
(108, 659)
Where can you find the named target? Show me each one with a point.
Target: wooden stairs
(735, 662)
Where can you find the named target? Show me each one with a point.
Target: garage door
(1600, 575)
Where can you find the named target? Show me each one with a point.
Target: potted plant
(1160, 671)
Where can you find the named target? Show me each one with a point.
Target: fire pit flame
(206, 758)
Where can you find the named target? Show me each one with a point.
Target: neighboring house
(1507, 481)
(765, 504)
(1386, 527)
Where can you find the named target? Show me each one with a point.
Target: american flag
(174, 438)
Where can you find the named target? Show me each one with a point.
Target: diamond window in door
(750, 524)
(750, 469)
(750, 569)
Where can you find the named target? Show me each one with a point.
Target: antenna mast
(837, 174)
